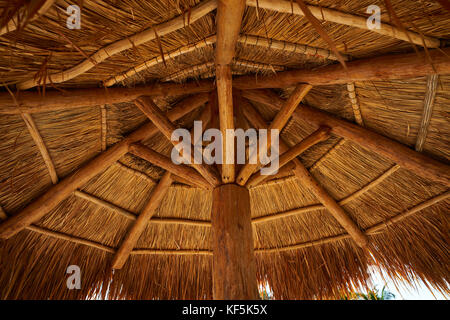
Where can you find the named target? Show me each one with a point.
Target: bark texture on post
(234, 266)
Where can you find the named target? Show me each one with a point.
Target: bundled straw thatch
(301, 251)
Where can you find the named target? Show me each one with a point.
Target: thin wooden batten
(306, 178)
(156, 197)
(277, 124)
(316, 207)
(40, 144)
(104, 127)
(369, 231)
(32, 102)
(58, 192)
(330, 15)
(355, 103)
(288, 47)
(131, 216)
(135, 40)
(405, 157)
(428, 103)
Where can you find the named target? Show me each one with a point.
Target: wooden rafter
(339, 17)
(104, 126)
(405, 157)
(317, 136)
(40, 144)
(188, 174)
(307, 179)
(32, 102)
(385, 67)
(277, 124)
(130, 42)
(428, 103)
(156, 197)
(229, 18)
(164, 124)
(58, 192)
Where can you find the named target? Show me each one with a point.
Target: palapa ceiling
(301, 249)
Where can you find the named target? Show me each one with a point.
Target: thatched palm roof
(301, 250)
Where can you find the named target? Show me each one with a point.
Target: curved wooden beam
(335, 16)
(135, 40)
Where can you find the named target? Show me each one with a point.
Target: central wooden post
(234, 267)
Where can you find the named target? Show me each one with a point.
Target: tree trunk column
(234, 267)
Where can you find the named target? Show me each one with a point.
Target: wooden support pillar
(234, 267)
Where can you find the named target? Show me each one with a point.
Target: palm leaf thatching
(68, 102)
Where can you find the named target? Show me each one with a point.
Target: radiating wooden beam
(308, 180)
(407, 158)
(188, 174)
(317, 136)
(384, 67)
(156, 197)
(278, 123)
(163, 123)
(428, 103)
(335, 16)
(40, 144)
(234, 266)
(331, 205)
(229, 19)
(58, 192)
(31, 102)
